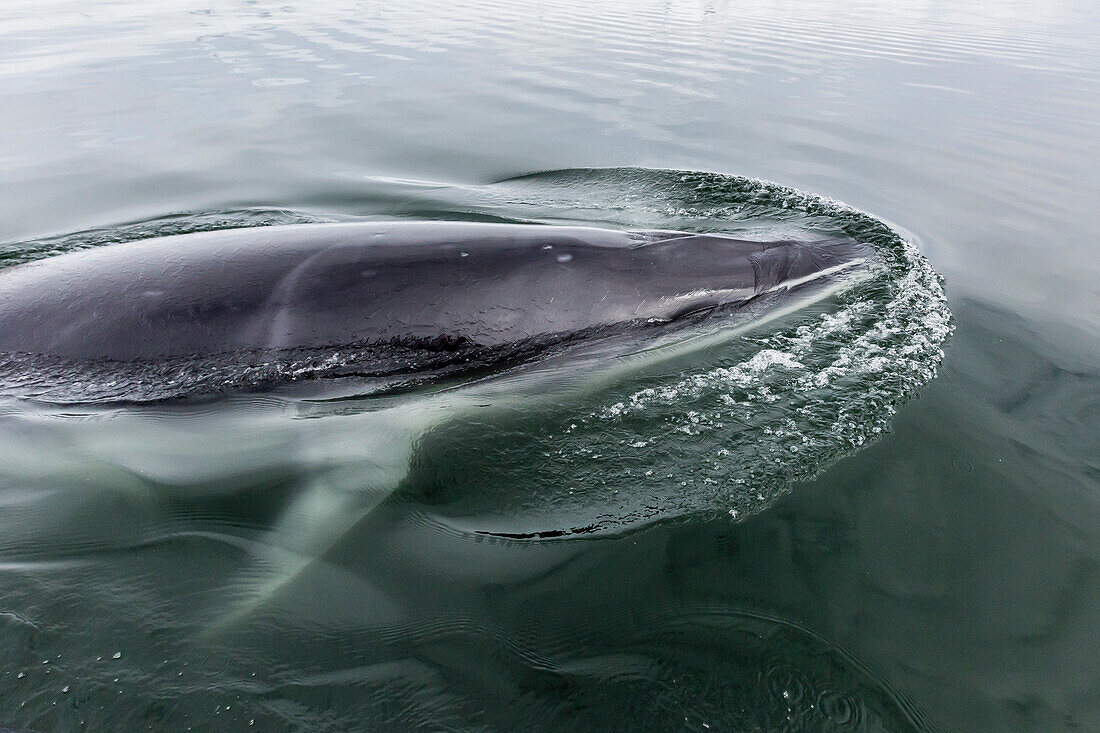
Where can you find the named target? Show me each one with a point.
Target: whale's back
(369, 307)
(371, 284)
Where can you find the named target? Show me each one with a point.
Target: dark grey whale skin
(309, 286)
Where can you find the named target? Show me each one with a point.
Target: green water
(866, 514)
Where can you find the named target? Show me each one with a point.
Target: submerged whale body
(123, 322)
(385, 291)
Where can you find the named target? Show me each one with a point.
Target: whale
(389, 297)
(542, 313)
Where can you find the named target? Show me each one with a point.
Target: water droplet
(464, 254)
(565, 257)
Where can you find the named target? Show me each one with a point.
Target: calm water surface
(944, 577)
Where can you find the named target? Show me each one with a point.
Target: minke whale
(432, 285)
(550, 310)
(391, 296)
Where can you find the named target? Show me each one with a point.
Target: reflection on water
(946, 575)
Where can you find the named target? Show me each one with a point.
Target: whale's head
(669, 275)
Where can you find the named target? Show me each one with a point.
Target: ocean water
(877, 511)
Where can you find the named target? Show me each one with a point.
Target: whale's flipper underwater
(458, 311)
